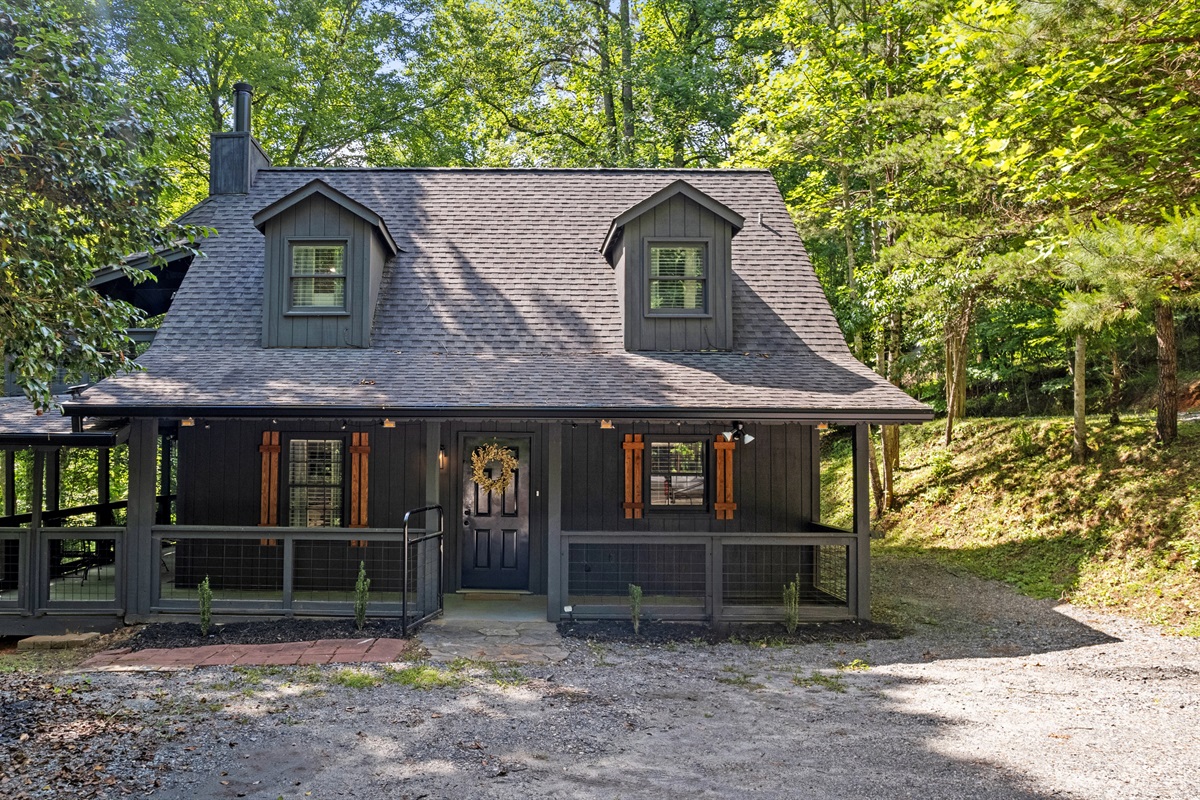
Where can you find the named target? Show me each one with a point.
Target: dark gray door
(495, 543)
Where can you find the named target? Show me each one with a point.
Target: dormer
(324, 263)
(674, 274)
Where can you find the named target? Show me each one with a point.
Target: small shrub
(791, 605)
(635, 605)
(941, 464)
(1023, 441)
(362, 592)
(204, 590)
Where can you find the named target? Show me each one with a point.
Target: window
(677, 277)
(318, 276)
(677, 475)
(315, 483)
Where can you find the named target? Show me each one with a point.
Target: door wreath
(487, 454)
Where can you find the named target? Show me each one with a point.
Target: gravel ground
(991, 695)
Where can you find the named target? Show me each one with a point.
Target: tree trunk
(1166, 426)
(1114, 390)
(1080, 449)
(876, 484)
(627, 82)
(612, 134)
(890, 436)
(957, 328)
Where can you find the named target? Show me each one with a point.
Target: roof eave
(318, 186)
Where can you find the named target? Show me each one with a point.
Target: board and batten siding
(684, 219)
(220, 470)
(321, 219)
(776, 481)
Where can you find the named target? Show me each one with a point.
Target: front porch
(196, 489)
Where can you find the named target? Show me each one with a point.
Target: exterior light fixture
(442, 457)
(607, 425)
(389, 423)
(738, 434)
(187, 422)
(343, 424)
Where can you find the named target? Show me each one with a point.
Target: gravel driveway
(992, 695)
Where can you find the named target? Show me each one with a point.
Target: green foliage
(362, 595)
(791, 605)
(205, 596)
(425, 677)
(77, 196)
(1121, 531)
(819, 680)
(635, 605)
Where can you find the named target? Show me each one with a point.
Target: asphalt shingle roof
(500, 298)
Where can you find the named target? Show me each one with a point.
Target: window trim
(706, 243)
(315, 311)
(285, 472)
(648, 470)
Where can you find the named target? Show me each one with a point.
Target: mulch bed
(187, 634)
(651, 632)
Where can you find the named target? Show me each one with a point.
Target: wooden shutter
(724, 504)
(634, 448)
(360, 449)
(269, 508)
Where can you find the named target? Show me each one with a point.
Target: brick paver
(325, 651)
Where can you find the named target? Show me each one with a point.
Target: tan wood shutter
(268, 514)
(724, 504)
(634, 448)
(360, 449)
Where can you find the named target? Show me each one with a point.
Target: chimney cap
(243, 87)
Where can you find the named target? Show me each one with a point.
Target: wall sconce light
(343, 424)
(442, 457)
(187, 422)
(389, 423)
(607, 425)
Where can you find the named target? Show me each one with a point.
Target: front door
(495, 543)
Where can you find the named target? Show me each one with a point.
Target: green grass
(424, 676)
(742, 680)
(819, 680)
(1005, 502)
(355, 679)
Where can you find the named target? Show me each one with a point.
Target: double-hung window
(678, 278)
(677, 475)
(315, 486)
(318, 276)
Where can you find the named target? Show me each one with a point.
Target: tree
(1139, 269)
(77, 196)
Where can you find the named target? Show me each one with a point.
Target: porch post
(554, 559)
(138, 561)
(10, 482)
(431, 565)
(37, 573)
(862, 523)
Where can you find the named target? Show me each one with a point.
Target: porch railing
(714, 577)
(286, 571)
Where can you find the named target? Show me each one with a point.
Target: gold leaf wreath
(487, 454)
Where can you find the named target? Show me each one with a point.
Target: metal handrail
(441, 515)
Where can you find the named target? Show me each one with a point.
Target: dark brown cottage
(651, 348)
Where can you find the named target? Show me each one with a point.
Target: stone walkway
(325, 651)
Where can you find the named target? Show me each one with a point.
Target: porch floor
(514, 608)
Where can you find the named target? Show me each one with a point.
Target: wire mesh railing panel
(668, 574)
(10, 570)
(327, 571)
(82, 570)
(831, 574)
(237, 569)
(424, 578)
(757, 574)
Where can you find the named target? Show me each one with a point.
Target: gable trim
(679, 186)
(320, 187)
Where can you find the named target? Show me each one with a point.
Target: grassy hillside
(1005, 501)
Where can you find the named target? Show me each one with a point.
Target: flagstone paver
(325, 651)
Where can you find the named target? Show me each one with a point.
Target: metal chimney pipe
(241, 107)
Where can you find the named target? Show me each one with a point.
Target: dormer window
(677, 278)
(318, 276)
